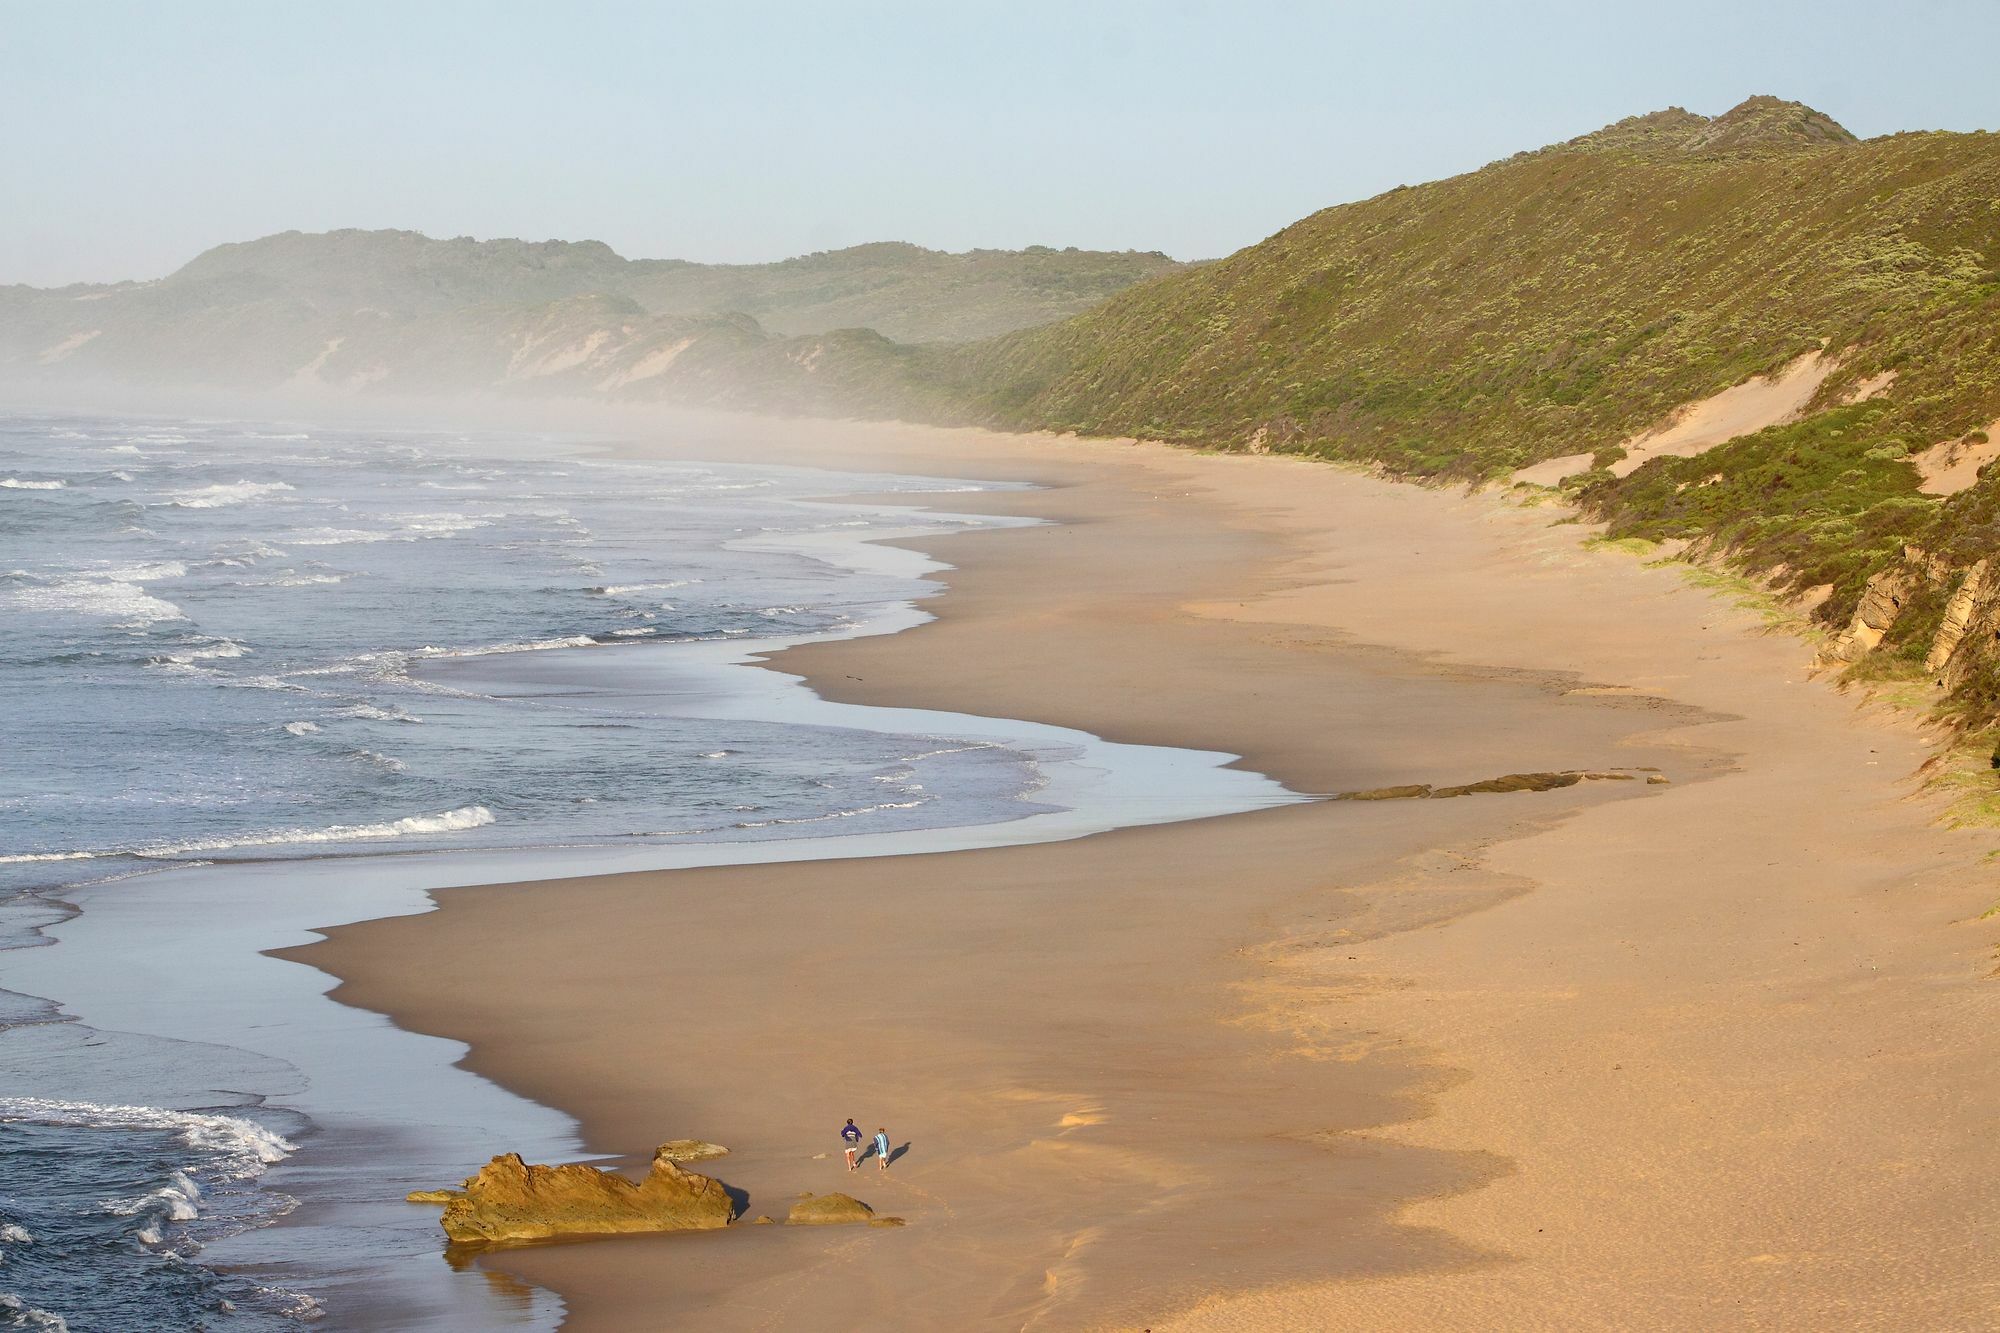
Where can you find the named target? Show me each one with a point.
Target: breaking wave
(451, 821)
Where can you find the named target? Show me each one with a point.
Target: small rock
(761, 1220)
(433, 1196)
(887, 1222)
(823, 1210)
(1657, 779)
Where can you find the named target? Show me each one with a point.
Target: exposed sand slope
(1953, 465)
(1711, 1054)
(1757, 403)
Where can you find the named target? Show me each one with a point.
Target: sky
(135, 135)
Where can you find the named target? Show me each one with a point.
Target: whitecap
(112, 599)
(242, 1147)
(16, 1234)
(16, 484)
(373, 713)
(209, 650)
(438, 525)
(301, 728)
(451, 821)
(335, 537)
(228, 493)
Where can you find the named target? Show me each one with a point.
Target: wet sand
(1714, 1051)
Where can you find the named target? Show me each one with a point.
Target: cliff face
(1953, 615)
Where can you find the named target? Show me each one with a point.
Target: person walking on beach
(850, 1135)
(881, 1149)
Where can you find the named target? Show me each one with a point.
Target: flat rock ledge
(1512, 782)
(512, 1200)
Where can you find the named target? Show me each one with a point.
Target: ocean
(245, 666)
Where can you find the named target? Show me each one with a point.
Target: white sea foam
(16, 484)
(209, 650)
(154, 572)
(16, 1234)
(527, 646)
(301, 728)
(439, 525)
(301, 581)
(837, 814)
(240, 1148)
(335, 537)
(109, 598)
(388, 763)
(451, 821)
(178, 1202)
(17, 1313)
(373, 713)
(228, 493)
(127, 449)
(621, 589)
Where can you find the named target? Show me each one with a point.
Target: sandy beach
(1712, 1051)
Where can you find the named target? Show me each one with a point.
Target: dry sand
(1711, 1053)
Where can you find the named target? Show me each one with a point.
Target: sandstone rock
(761, 1220)
(1958, 615)
(1881, 602)
(1657, 779)
(823, 1210)
(887, 1222)
(511, 1200)
(689, 1150)
(432, 1196)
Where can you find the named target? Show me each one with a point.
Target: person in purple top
(850, 1136)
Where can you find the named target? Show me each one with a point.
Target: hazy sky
(134, 135)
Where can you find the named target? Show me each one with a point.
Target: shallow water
(302, 650)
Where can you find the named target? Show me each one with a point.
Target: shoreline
(1253, 617)
(272, 1012)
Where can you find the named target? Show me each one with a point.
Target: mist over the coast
(1198, 668)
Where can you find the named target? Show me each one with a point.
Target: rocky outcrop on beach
(828, 1210)
(512, 1200)
(689, 1150)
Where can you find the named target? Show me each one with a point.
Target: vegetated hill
(1563, 301)
(398, 309)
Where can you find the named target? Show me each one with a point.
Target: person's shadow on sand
(896, 1156)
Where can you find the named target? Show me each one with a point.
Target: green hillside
(1561, 301)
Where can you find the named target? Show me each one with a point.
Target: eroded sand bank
(1712, 1052)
